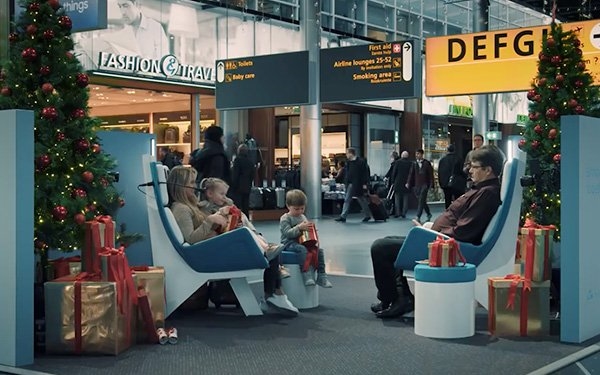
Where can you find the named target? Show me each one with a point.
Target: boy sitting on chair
(292, 224)
(465, 220)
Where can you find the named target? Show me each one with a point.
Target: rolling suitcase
(255, 201)
(378, 211)
(269, 199)
(389, 201)
(280, 193)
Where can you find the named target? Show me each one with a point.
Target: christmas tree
(73, 179)
(562, 87)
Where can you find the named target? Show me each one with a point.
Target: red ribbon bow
(512, 292)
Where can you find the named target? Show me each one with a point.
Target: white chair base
(445, 311)
(303, 297)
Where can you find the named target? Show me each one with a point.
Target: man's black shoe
(366, 219)
(341, 219)
(428, 217)
(398, 308)
(379, 306)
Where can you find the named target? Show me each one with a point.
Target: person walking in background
(356, 180)
(398, 181)
(451, 177)
(393, 157)
(254, 155)
(211, 160)
(242, 176)
(168, 158)
(420, 179)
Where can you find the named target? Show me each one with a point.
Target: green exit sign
(522, 120)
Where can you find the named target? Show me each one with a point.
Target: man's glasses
(477, 166)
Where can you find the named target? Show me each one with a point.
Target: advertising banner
(85, 14)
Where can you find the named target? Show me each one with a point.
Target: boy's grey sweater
(288, 227)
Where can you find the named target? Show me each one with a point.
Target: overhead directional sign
(499, 60)
(262, 81)
(369, 72)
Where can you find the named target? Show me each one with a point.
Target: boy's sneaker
(323, 281)
(282, 304)
(283, 272)
(308, 278)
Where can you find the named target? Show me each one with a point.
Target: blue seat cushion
(289, 257)
(445, 275)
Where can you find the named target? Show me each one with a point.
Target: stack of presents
(98, 304)
(519, 303)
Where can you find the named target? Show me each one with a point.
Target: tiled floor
(347, 245)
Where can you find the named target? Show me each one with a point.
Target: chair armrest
(415, 248)
(231, 251)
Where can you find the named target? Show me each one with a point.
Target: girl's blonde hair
(211, 183)
(180, 179)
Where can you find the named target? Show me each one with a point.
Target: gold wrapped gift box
(529, 319)
(103, 328)
(152, 281)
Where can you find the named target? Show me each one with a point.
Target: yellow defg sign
(498, 61)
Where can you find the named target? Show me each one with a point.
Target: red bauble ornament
(542, 57)
(82, 145)
(534, 116)
(531, 94)
(579, 51)
(79, 218)
(573, 103)
(552, 113)
(79, 193)
(538, 129)
(554, 87)
(542, 81)
(556, 158)
(13, 37)
(560, 78)
(78, 113)
(535, 144)
(556, 60)
(82, 80)
(44, 70)
(29, 54)
(550, 42)
(581, 65)
(538, 98)
(6, 91)
(54, 4)
(121, 202)
(65, 22)
(31, 29)
(47, 88)
(69, 55)
(576, 42)
(60, 136)
(48, 34)
(39, 244)
(522, 143)
(104, 182)
(34, 7)
(552, 133)
(87, 177)
(49, 113)
(96, 148)
(579, 109)
(59, 213)
(533, 206)
(579, 83)
(43, 161)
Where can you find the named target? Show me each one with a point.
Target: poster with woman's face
(152, 38)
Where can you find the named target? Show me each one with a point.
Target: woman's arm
(184, 217)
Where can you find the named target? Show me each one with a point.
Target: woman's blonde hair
(179, 181)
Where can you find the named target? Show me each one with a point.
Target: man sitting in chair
(465, 220)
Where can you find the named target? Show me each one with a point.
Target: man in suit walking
(399, 180)
(420, 179)
(357, 179)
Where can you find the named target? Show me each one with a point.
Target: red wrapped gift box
(535, 255)
(99, 233)
(445, 253)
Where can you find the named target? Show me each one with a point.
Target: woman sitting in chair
(465, 220)
(197, 226)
